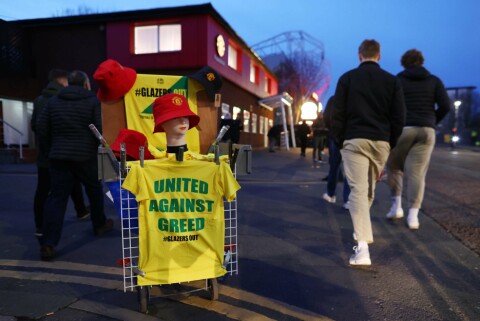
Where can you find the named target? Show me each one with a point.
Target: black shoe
(85, 214)
(38, 232)
(47, 252)
(325, 178)
(107, 226)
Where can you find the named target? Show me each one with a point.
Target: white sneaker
(360, 257)
(346, 205)
(330, 199)
(412, 221)
(394, 213)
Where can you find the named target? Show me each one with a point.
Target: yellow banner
(138, 106)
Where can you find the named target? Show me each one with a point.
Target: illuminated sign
(220, 45)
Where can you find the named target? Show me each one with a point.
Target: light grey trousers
(363, 162)
(411, 157)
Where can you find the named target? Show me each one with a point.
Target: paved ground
(294, 251)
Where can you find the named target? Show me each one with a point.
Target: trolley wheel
(143, 297)
(212, 288)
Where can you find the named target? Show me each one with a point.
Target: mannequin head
(176, 130)
(173, 116)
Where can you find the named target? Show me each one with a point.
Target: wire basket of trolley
(178, 212)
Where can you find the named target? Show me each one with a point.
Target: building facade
(163, 41)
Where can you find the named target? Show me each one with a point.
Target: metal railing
(20, 134)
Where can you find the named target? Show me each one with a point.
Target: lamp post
(455, 137)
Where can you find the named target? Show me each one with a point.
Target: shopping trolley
(113, 174)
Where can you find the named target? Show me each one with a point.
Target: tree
(80, 11)
(300, 76)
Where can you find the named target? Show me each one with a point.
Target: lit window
(158, 38)
(146, 39)
(268, 85)
(254, 123)
(254, 73)
(225, 110)
(232, 57)
(236, 111)
(170, 37)
(246, 121)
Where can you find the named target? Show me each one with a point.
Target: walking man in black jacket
(72, 150)
(367, 120)
(58, 79)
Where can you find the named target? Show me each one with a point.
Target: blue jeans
(334, 161)
(63, 175)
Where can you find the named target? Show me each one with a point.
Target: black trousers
(42, 191)
(63, 175)
(303, 145)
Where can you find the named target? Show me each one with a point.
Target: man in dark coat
(303, 132)
(367, 120)
(58, 79)
(72, 150)
(237, 127)
(319, 136)
(334, 160)
(227, 121)
(274, 137)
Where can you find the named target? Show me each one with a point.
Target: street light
(455, 137)
(309, 111)
(457, 104)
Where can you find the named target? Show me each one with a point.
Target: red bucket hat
(114, 80)
(172, 106)
(133, 140)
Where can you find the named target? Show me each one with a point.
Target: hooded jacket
(41, 101)
(422, 91)
(38, 104)
(64, 124)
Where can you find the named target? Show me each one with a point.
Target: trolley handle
(98, 135)
(221, 133)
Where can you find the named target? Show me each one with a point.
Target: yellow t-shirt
(181, 218)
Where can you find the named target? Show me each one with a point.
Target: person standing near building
(274, 137)
(72, 151)
(367, 120)
(237, 127)
(303, 132)
(227, 121)
(58, 79)
(319, 135)
(334, 161)
(422, 92)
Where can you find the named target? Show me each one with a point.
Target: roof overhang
(274, 102)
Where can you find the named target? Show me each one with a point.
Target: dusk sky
(446, 31)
